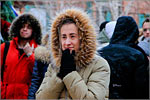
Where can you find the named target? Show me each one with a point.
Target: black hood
(126, 31)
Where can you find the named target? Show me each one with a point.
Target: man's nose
(25, 28)
(148, 33)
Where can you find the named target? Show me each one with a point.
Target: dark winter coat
(17, 71)
(129, 66)
(42, 60)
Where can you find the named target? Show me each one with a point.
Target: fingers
(28, 49)
(27, 45)
(32, 46)
(68, 51)
(73, 52)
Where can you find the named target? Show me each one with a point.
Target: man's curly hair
(26, 19)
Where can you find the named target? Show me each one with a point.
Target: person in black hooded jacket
(128, 62)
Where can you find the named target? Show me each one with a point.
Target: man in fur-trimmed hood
(76, 72)
(17, 68)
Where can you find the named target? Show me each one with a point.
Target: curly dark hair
(26, 19)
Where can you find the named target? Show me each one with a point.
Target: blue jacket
(128, 62)
(42, 56)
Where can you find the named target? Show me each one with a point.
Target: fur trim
(45, 40)
(87, 34)
(42, 53)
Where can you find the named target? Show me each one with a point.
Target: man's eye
(29, 27)
(23, 26)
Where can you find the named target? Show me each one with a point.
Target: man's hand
(67, 63)
(28, 49)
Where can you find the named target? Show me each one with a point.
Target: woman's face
(69, 37)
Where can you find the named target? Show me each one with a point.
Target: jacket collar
(15, 39)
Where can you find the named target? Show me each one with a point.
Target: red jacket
(17, 72)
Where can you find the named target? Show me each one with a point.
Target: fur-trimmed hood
(86, 31)
(16, 25)
(42, 52)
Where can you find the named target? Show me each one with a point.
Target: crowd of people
(67, 64)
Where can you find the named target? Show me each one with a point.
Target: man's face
(69, 37)
(146, 29)
(26, 31)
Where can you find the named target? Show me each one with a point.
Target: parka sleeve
(51, 86)
(35, 82)
(97, 84)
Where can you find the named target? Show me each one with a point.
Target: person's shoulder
(52, 69)
(98, 64)
(42, 54)
(3, 44)
(99, 58)
(100, 61)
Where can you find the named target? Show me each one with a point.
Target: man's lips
(24, 33)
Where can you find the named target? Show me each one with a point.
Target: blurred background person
(145, 29)
(144, 41)
(106, 33)
(18, 66)
(128, 62)
(4, 29)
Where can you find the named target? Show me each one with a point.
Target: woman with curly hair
(18, 66)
